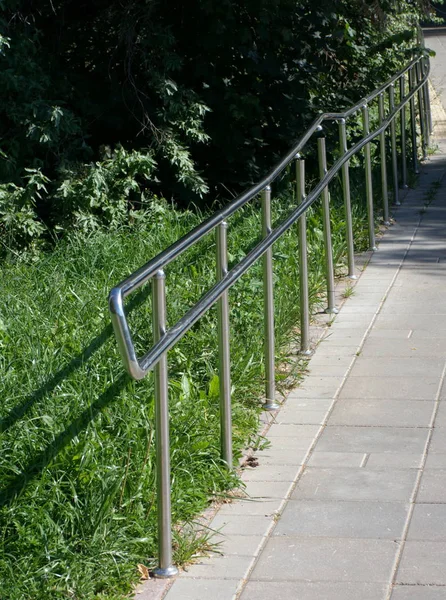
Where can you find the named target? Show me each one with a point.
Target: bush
(86, 84)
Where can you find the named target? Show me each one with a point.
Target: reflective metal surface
(268, 306)
(303, 262)
(224, 360)
(347, 202)
(326, 226)
(368, 178)
(156, 357)
(383, 158)
(165, 567)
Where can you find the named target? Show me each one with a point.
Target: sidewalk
(355, 464)
(349, 500)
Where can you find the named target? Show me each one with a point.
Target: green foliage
(77, 457)
(207, 113)
(105, 193)
(20, 227)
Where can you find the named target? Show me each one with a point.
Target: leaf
(214, 387)
(185, 386)
(143, 571)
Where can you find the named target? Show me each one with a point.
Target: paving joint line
(323, 426)
(420, 473)
(416, 488)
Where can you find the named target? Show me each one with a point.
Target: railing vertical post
(268, 306)
(382, 143)
(347, 201)
(413, 121)
(396, 196)
(368, 178)
(223, 348)
(403, 132)
(426, 103)
(422, 116)
(428, 100)
(303, 262)
(329, 269)
(165, 567)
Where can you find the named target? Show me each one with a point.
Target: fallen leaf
(144, 571)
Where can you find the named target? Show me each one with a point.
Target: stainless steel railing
(413, 93)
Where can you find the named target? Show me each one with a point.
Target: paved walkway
(349, 500)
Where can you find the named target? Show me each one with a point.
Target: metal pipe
(428, 100)
(413, 122)
(421, 112)
(165, 567)
(329, 269)
(224, 361)
(139, 367)
(426, 103)
(393, 147)
(268, 307)
(368, 178)
(347, 201)
(403, 134)
(146, 272)
(303, 262)
(382, 144)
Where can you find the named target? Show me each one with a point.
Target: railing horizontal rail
(415, 74)
(148, 270)
(138, 368)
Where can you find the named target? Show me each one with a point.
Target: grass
(348, 292)
(77, 463)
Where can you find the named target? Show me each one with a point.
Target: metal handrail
(139, 368)
(417, 72)
(148, 270)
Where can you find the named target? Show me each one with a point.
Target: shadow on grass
(39, 462)
(44, 458)
(21, 409)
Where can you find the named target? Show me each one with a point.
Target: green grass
(77, 464)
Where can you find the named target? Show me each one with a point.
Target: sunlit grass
(77, 460)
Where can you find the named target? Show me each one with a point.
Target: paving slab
(236, 545)
(433, 486)
(293, 431)
(331, 370)
(385, 413)
(301, 590)
(397, 367)
(406, 347)
(426, 323)
(270, 473)
(400, 460)
(440, 419)
(329, 460)
(365, 460)
(355, 484)
(348, 501)
(267, 489)
(202, 589)
(373, 439)
(219, 567)
(251, 507)
(322, 518)
(418, 592)
(423, 563)
(282, 457)
(428, 522)
(403, 388)
(438, 441)
(248, 524)
(325, 559)
(435, 461)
